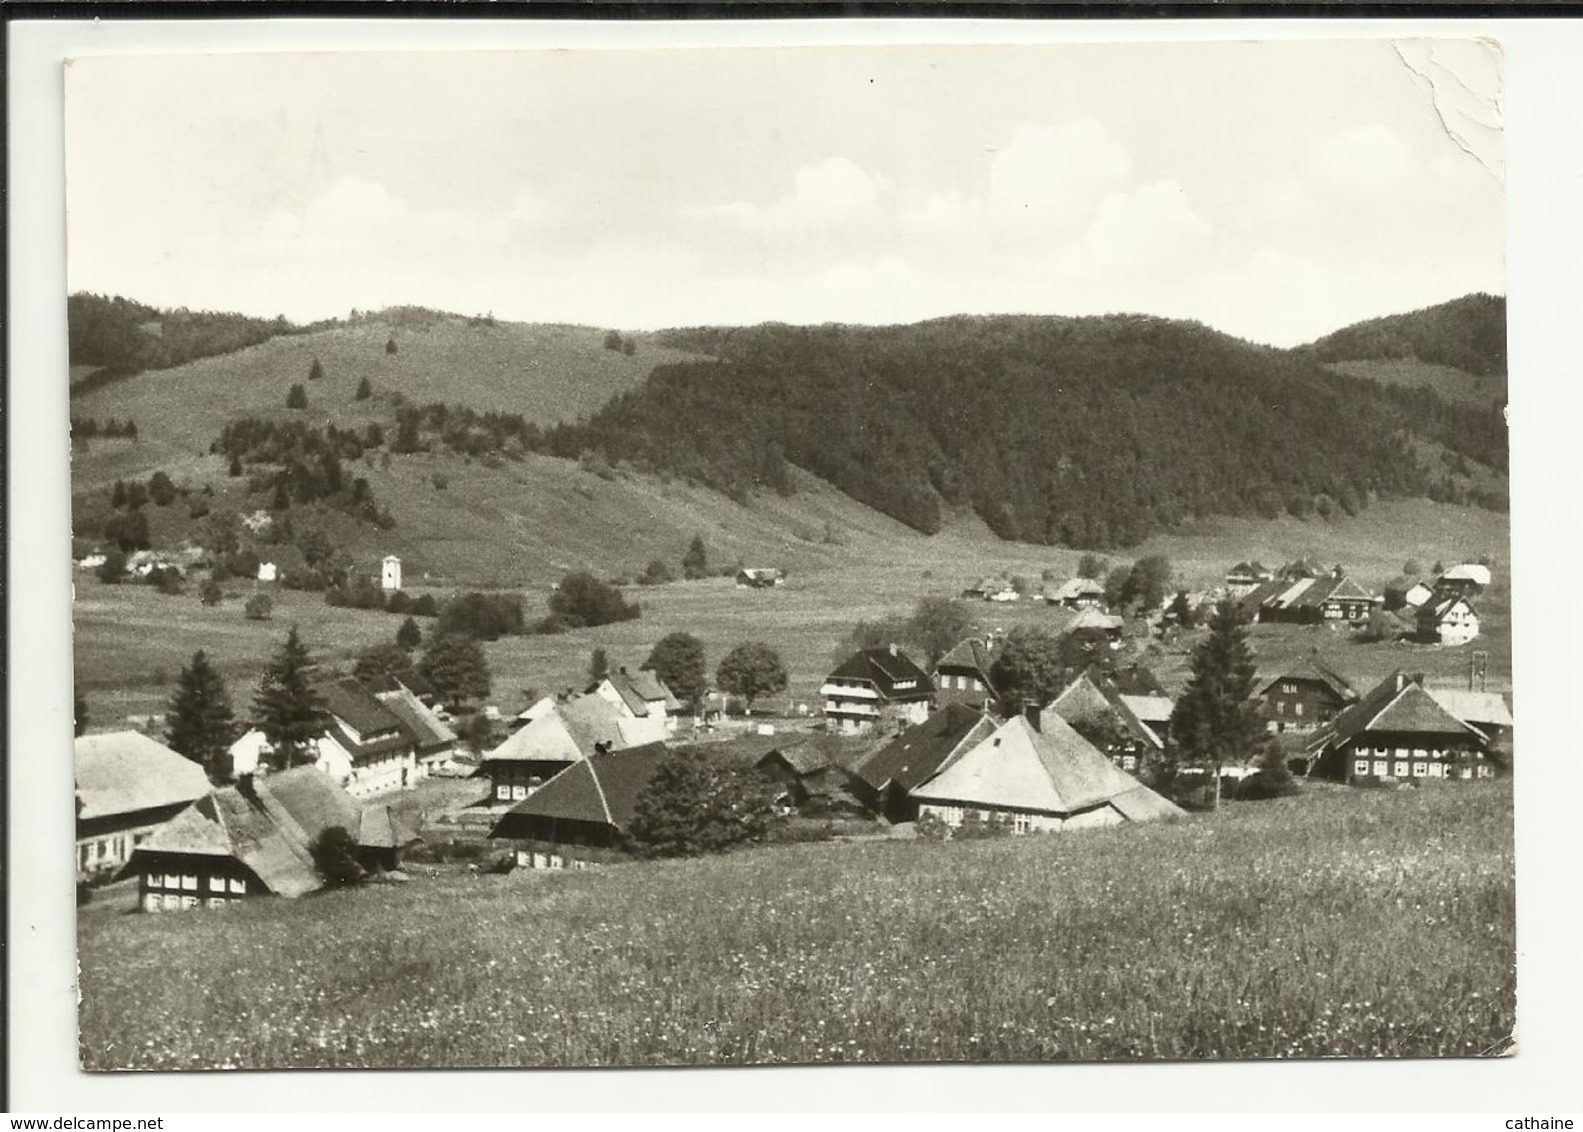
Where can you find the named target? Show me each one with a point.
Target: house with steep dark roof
(588, 806)
(1447, 619)
(1332, 597)
(1404, 592)
(366, 748)
(256, 838)
(874, 686)
(128, 786)
(1037, 776)
(432, 738)
(883, 780)
(1095, 698)
(963, 676)
(1400, 730)
(1304, 695)
(808, 771)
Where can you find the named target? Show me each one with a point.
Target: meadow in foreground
(1340, 923)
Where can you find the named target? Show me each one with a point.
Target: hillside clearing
(1337, 924)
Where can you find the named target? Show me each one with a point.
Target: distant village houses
(760, 577)
(1077, 593)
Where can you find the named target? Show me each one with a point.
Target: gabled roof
(882, 668)
(1152, 710)
(1402, 583)
(1254, 569)
(1436, 609)
(1052, 770)
(356, 706)
(803, 758)
(1467, 572)
(1074, 588)
(123, 772)
(1093, 619)
(268, 824)
(417, 720)
(569, 732)
(1311, 667)
(1395, 704)
(972, 654)
(382, 828)
(653, 689)
(922, 749)
(602, 790)
(1482, 709)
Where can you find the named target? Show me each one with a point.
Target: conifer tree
(289, 711)
(409, 636)
(315, 371)
(598, 665)
(1216, 722)
(201, 724)
(297, 397)
(364, 390)
(696, 562)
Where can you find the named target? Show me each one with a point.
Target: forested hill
(114, 337)
(1468, 334)
(1089, 432)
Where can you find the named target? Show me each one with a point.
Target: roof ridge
(600, 790)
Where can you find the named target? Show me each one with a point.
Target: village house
(884, 779)
(1096, 629)
(1486, 711)
(1077, 593)
(875, 685)
(1447, 619)
(1037, 776)
(256, 838)
(432, 738)
(807, 772)
(586, 809)
(962, 675)
(1466, 580)
(641, 696)
(1247, 576)
(573, 730)
(1304, 696)
(1091, 700)
(128, 785)
(760, 577)
(1403, 592)
(1398, 731)
(1311, 601)
(365, 749)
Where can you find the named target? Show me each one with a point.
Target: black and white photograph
(791, 555)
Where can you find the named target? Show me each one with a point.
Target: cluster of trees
(614, 341)
(357, 591)
(692, 806)
(133, 494)
(1144, 583)
(123, 337)
(465, 431)
(1085, 432)
(695, 564)
(87, 428)
(310, 460)
(935, 625)
(583, 601)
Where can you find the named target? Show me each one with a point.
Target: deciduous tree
(751, 670)
(455, 668)
(678, 660)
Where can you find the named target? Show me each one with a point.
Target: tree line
(123, 337)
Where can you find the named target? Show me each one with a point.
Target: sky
(1272, 190)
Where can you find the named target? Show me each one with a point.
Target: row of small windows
(965, 683)
(189, 882)
(175, 902)
(1403, 768)
(108, 850)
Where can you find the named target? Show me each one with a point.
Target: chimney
(894, 648)
(1401, 681)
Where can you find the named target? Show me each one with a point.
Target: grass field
(1451, 383)
(1336, 924)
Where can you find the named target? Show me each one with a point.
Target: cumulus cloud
(1366, 161)
(355, 216)
(1065, 169)
(830, 194)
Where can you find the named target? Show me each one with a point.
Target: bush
(113, 568)
(297, 398)
(259, 607)
(592, 602)
(484, 617)
(210, 593)
(424, 605)
(334, 854)
(691, 807)
(657, 573)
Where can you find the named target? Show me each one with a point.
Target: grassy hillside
(546, 373)
(1337, 924)
(1456, 385)
(131, 641)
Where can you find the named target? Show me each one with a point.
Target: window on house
(1361, 767)
(1297, 709)
(189, 901)
(1420, 769)
(1280, 707)
(1420, 753)
(172, 880)
(1021, 823)
(190, 882)
(1486, 772)
(171, 902)
(238, 886)
(503, 792)
(1401, 768)
(216, 884)
(1437, 770)
(151, 902)
(1380, 767)
(519, 792)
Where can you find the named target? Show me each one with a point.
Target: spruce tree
(696, 562)
(201, 724)
(288, 710)
(364, 391)
(315, 371)
(409, 636)
(297, 397)
(598, 665)
(1216, 722)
